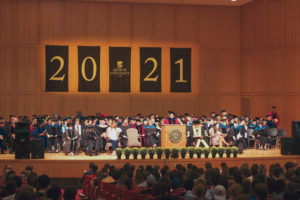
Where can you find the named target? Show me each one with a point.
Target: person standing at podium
(171, 119)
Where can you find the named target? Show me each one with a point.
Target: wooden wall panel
(164, 24)
(291, 28)
(120, 24)
(185, 29)
(27, 59)
(142, 24)
(7, 16)
(96, 23)
(211, 32)
(8, 64)
(229, 72)
(75, 24)
(207, 27)
(208, 65)
(52, 22)
(271, 58)
(276, 22)
(27, 22)
(229, 28)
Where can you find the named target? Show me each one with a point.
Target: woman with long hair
(217, 136)
(112, 133)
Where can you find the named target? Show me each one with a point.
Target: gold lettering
(180, 62)
(94, 69)
(54, 76)
(147, 78)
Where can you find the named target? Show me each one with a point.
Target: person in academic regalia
(92, 139)
(10, 133)
(132, 122)
(238, 139)
(253, 125)
(151, 134)
(274, 115)
(54, 142)
(196, 135)
(123, 135)
(157, 124)
(261, 134)
(244, 137)
(2, 135)
(102, 134)
(79, 128)
(270, 122)
(71, 144)
(58, 127)
(171, 119)
(39, 132)
(141, 131)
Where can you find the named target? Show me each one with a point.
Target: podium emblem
(175, 136)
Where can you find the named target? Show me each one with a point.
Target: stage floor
(59, 165)
(249, 153)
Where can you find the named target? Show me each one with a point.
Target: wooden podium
(173, 136)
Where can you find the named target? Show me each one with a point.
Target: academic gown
(71, 141)
(142, 134)
(3, 135)
(151, 136)
(171, 121)
(261, 134)
(92, 140)
(123, 135)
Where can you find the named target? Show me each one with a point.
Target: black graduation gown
(150, 136)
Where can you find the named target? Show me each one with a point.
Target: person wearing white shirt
(112, 133)
(78, 128)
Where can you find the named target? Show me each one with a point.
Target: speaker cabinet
(22, 132)
(37, 149)
(22, 151)
(22, 141)
(296, 130)
(287, 146)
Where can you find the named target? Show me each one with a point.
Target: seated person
(151, 134)
(112, 133)
(196, 135)
(261, 134)
(71, 137)
(217, 136)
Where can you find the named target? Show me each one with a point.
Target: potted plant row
(175, 152)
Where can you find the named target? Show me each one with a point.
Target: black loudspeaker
(22, 141)
(22, 151)
(37, 149)
(296, 147)
(296, 130)
(22, 132)
(287, 146)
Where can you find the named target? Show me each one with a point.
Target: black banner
(88, 69)
(180, 69)
(119, 69)
(150, 69)
(57, 68)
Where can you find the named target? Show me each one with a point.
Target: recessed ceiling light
(233, 0)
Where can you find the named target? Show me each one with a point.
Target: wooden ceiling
(184, 2)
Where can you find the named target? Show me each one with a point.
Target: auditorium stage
(58, 165)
